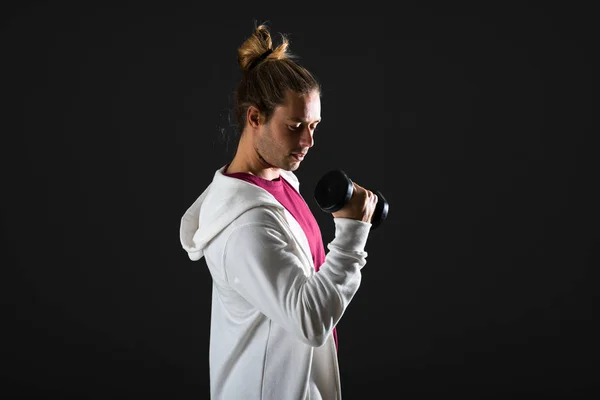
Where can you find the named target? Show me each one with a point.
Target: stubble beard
(265, 147)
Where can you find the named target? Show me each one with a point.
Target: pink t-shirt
(285, 193)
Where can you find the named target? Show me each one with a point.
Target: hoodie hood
(225, 199)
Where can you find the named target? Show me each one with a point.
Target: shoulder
(265, 216)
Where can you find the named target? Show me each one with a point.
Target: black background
(475, 123)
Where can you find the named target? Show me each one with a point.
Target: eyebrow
(295, 119)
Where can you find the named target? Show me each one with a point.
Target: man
(276, 296)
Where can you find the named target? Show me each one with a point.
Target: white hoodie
(272, 315)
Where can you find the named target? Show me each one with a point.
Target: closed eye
(299, 127)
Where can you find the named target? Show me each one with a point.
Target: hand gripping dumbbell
(335, 189)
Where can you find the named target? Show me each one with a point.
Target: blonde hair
(267, 74)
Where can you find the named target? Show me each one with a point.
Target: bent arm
(262, 264)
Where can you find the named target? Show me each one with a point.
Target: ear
(253, 117)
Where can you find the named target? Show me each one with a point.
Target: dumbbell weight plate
(333, 191)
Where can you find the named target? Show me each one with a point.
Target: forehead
(301, 107)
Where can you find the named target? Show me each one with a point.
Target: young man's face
(290, 131)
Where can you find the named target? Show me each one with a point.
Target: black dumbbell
(335, 189)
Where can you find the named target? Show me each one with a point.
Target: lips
(298, 156)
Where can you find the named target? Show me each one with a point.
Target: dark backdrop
(476, 124)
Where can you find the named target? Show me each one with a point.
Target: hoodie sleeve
(262, 264)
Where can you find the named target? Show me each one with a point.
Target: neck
(249, 161)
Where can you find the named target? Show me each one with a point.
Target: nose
(307, 139)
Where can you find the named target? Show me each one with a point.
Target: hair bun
(258, 60)
(258, 47)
